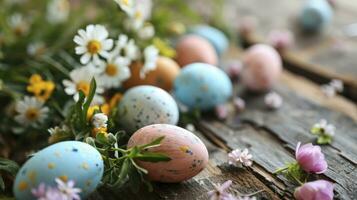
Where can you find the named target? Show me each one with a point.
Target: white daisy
(126, 47)
(80, 81)
(151, 54)
(30, 111)
(145, 7)
(146, 32)
(135, 21)
(92, 43)
(36, 48)
(58, 11)
(115, 71)
(18, 24)
(126, 5)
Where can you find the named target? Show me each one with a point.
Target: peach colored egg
(192, 48)
(188, 154)
(163, 76)
(262, 67)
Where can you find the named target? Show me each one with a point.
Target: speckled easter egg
(202, 86)
(262, 67)
(215, 36)
(315, 15)
(163, 76)
(188, 154)
(70, 160)
(193, 48)
(145, 105)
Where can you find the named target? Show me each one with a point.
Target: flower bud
(310, 158)
(315, 190)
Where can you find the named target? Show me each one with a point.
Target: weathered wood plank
(244, 182)
(321, 57)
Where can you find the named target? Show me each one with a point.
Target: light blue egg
(203, 86)
(216, 37)
(145, 105)
(315, 15)
(70, 160)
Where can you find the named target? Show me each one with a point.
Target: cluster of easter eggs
(315, 15)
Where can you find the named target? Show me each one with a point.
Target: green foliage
(7, 166)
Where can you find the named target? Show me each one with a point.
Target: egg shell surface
(145, 105)
(315, 15)
(163, 76)
(202, 86)
(193, 48)
(262, 67)
(188, 154)
(215, 36)
(70, 160)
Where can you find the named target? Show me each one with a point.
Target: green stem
(278, 171)
(297, 180)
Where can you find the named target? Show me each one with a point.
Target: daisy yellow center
(32, 114)
(138, 15)
(84, 87)
(111, 70)
(125, 2)
(94, 46)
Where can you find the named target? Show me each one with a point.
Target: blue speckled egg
(145, 105)
(203, 86)
(315, 15)
(70, 160)
(216, 37)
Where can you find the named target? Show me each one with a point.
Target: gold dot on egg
(51, 165)
(85, 166)
(22, 186)
(32, 176)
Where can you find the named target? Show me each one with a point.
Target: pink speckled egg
(192, 48)
(188, 154)
(262, 67)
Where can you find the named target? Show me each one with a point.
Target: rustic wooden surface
(271, 136)
(320, 57)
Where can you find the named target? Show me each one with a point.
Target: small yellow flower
(115, 100)
(164, 48)
(40, 88)
(102, 130)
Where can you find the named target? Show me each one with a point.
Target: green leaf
(152, 157)
(79, 108)
(9, 166)
(93, 87)
(138, 167)
(324, 139)
(2, 184)
(135, 179)
(152, 144)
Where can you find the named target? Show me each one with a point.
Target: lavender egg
(262, 67)
(70, 160)
(192, 48)
(202, 86)
(145, 105)
(188, 154)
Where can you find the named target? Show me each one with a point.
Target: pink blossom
(221, 112)
(315, 190)
(239, 104)
(281, 39)
(220, 193)
(310, 158)
(239, 158)
(273, 100)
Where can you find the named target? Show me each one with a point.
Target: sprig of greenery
(8, 166)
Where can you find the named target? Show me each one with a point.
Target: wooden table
(321, 57)
(271, 136)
